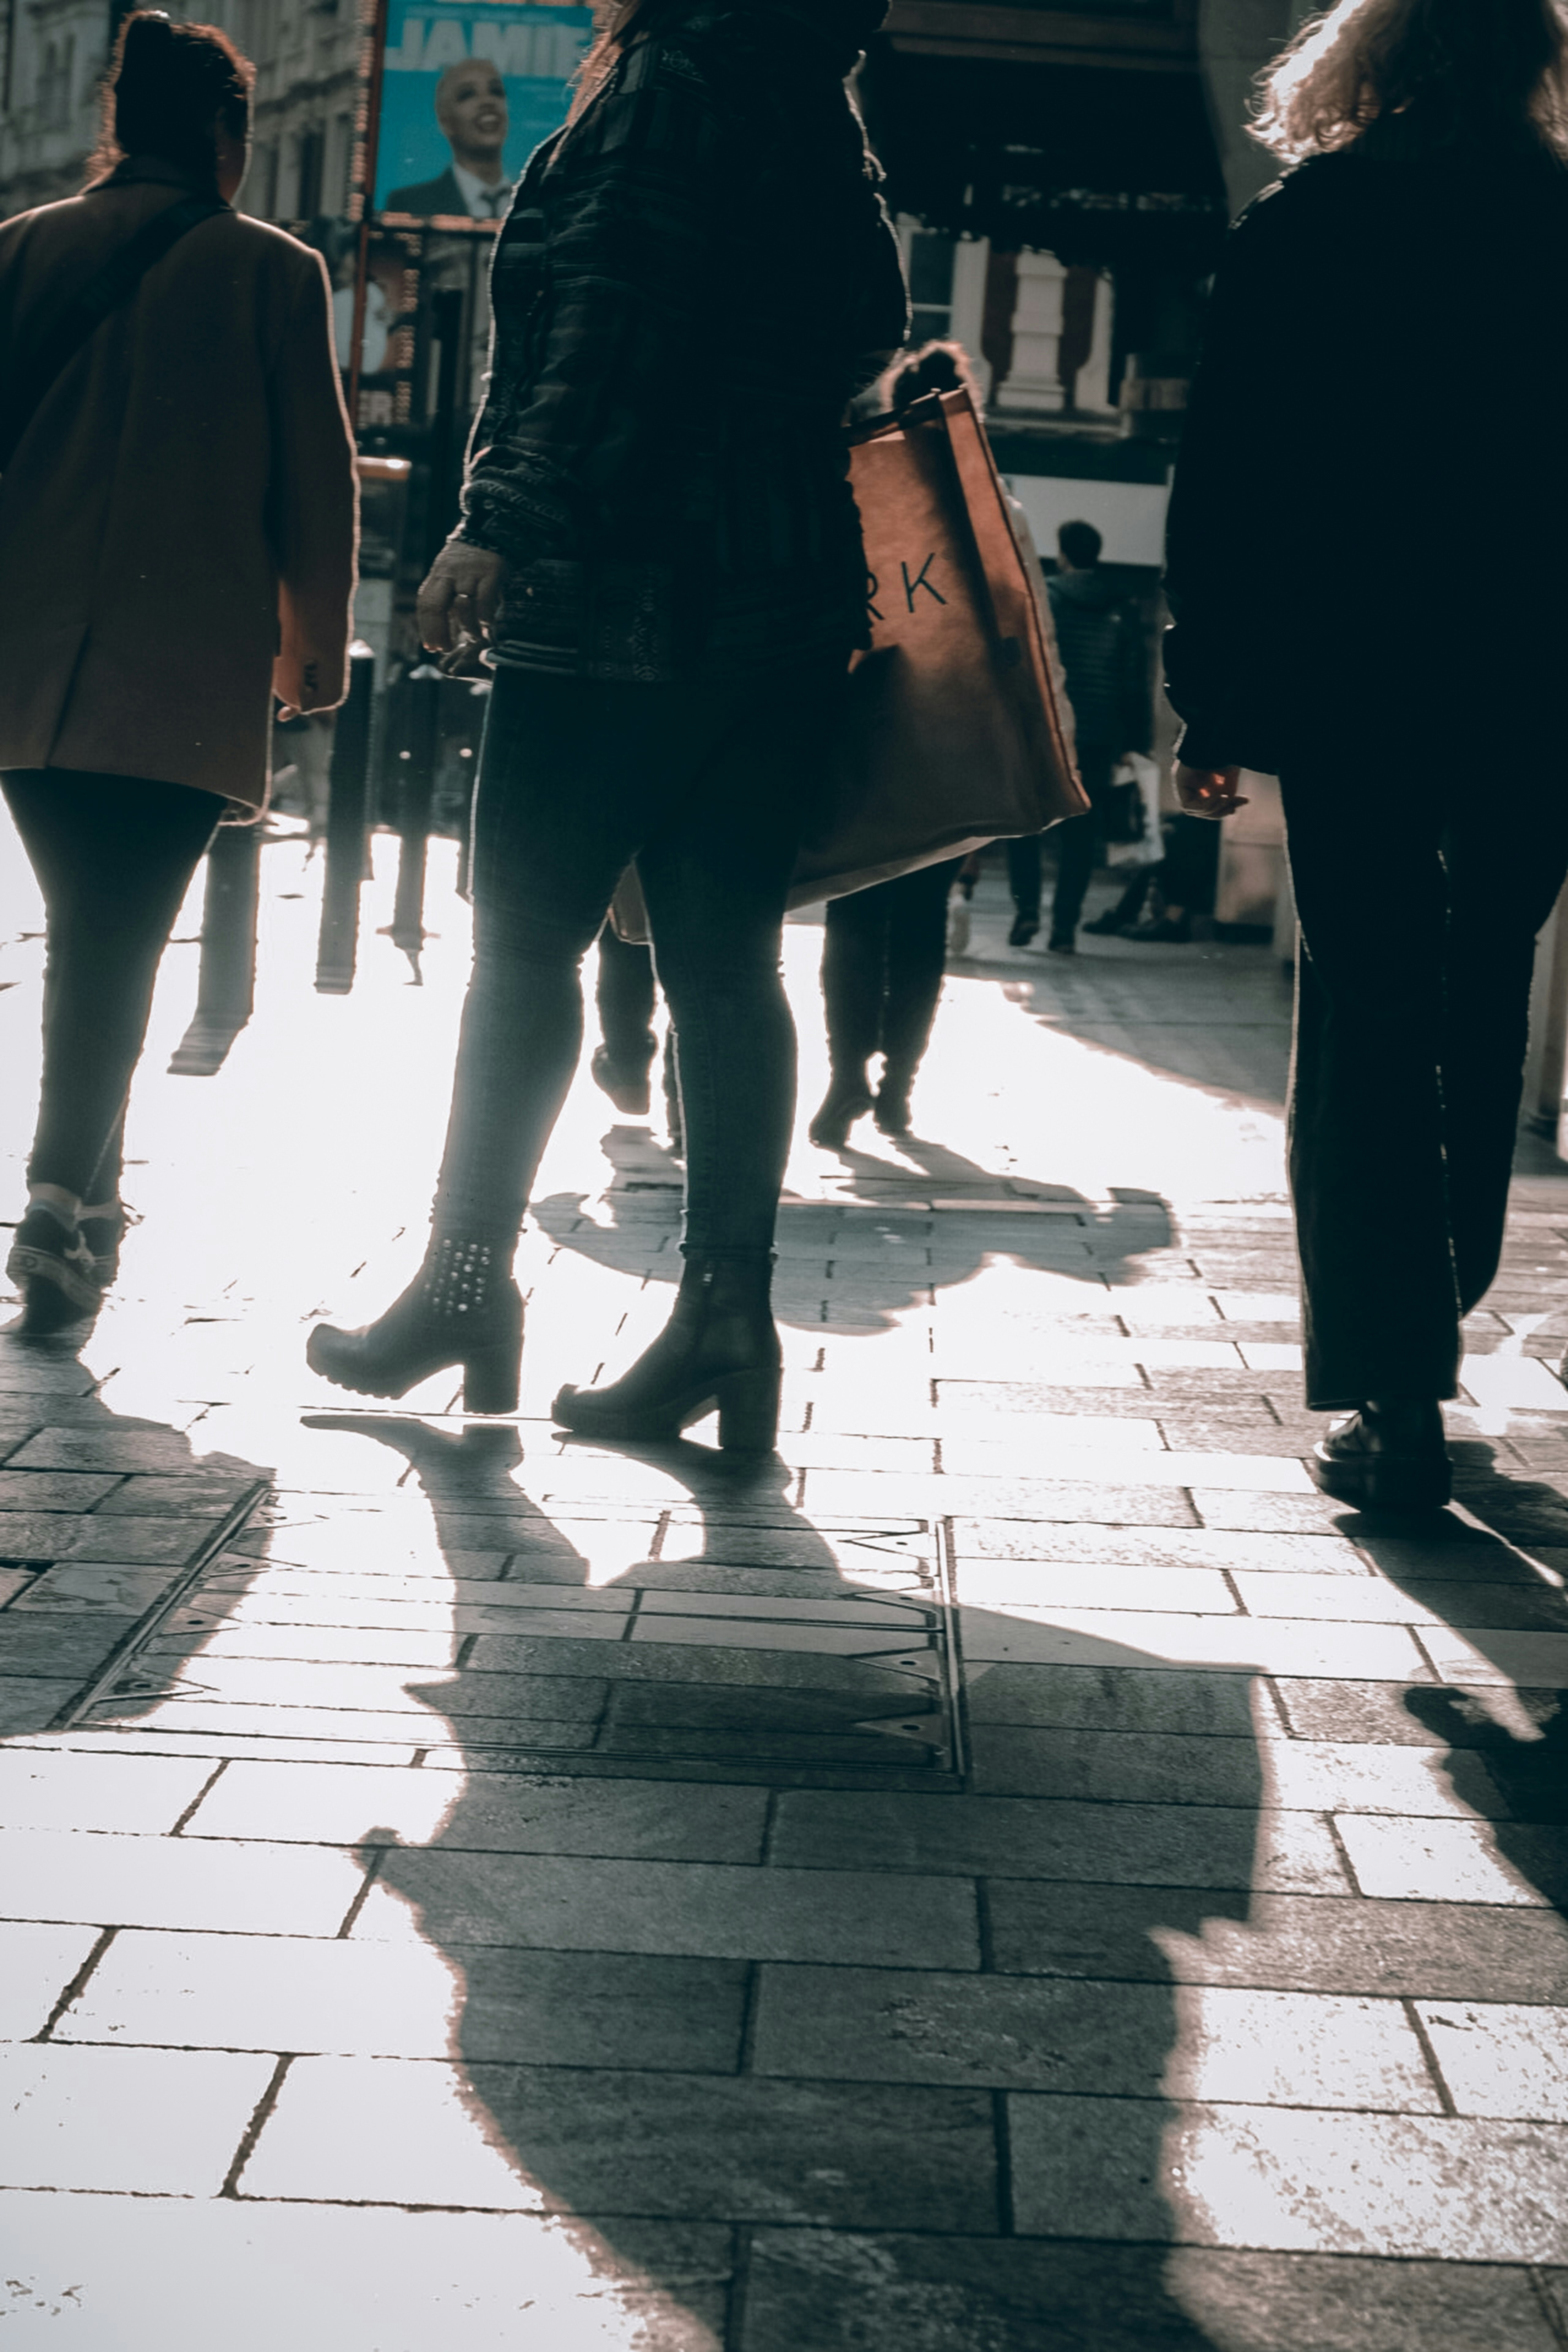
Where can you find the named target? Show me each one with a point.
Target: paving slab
(1312, 1943)
(1290, 2179)
(160, 1881)
(693, 2146)
(1018, 1837)
(147, 2122)
(1011, 2033)
(512, 1813)
(843, 2290)
(702, 1908)
(90, 2270)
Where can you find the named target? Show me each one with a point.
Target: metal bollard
(226, 990)
(348, 830)
(415, 795)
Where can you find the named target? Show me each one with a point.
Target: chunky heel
(461, 1307)
(492, 1376)
(719, 1347)
(749, 1411)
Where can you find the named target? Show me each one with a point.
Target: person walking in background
(666, 560)
(1318, 508)
(1100, 643)
(177, 512)
(884, 950)
(626, 991)
(884, 953)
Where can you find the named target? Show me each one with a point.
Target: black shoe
(891, 1108)
(721, 1347)
(628, 1089)
(847, 1100)
(460, 1309)
(1061, 943)
(1024, 929)
(1387, 1457)
(1105, 926)
(53, 1267)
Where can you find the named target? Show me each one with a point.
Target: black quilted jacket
(691, 283)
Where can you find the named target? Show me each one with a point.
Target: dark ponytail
(167, 86)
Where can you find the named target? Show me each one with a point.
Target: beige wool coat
(178, 525)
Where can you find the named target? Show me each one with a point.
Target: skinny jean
(624, 994)
(1420, 893)
(1078, 845)
(113, 856)
(703, 783)
(882, 962)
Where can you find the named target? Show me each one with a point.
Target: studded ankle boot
(461, 1307)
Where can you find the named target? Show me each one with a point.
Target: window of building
(308, 175)
(930, 258)
(261, 185)
(55, 74)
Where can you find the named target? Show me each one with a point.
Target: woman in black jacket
(1379, 416)
(660, 543)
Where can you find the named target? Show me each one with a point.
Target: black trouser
(1024, 871)
(1419, 896)
(882, 962)
(702, 784)
(1079, 841)
(114, 856)
(624, 994)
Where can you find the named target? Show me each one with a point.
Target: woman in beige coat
(177, 517)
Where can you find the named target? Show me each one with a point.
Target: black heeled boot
(461, 1307)
(1388, 1456)
(890, 1110)
(720, 1347)
(847, 1098)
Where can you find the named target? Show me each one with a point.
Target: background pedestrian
(1416, 732)
(1100, 643)
(176, 546)
(884, 950)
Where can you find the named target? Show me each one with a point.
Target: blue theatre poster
(467, 93)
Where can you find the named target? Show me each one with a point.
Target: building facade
(1061, 177)
(307, 52)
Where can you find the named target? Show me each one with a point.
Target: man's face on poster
(470, 107)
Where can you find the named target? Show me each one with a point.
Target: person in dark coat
(1336, 476)
(660, 543)
(178, 524)
(1102, 645)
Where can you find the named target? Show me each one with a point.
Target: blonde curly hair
(1471, 67)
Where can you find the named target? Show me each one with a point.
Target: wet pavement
(1018, 1870)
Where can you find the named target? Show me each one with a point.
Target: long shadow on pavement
(780, 2098)
(1501, 1702)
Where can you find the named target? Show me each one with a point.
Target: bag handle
(105, 290)
(931, 416)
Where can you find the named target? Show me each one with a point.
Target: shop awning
(1098, 165)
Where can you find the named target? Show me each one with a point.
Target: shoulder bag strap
(115, 283)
